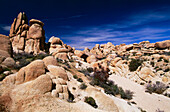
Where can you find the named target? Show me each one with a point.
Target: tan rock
(62, 56)
(9, 62)
(163, 44)
(78, 53)
(5, 49)
(24, 33)
(35, 21)
(91, 59)
(30, 72)
(103, 101)
(50, 60)
(41, 85)
(56, 40)
(58, 71)
(35, 32)
(146, 74)
(164, 79)
(12, 28)
(59, 88)
(18, 21)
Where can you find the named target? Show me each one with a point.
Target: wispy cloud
(6, 28)
(135, 28)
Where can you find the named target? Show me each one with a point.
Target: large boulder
(30, 72)
(9, 62)
(163, 44)
(146, 74)
(36, 30)
(6, 48)
(50, 60)
(41, 85)
(91, 58)
(57, 71)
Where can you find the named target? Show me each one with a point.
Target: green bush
(90, 101)
(152, 63)
(80, 80)
(2, 76)
(101, 74)
(166, 70)
(134, 64)
(75, 76)
(86, 71)
(158, 87)
(83, 86)
(160, 59)
(166, 61)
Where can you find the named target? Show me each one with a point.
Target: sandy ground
(148, 102)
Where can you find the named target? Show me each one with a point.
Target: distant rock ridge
(25, 38)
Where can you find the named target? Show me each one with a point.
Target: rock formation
(80, 81)
(25, 38)
(60, 50)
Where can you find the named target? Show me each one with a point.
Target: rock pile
(25, 38)
(60, 50)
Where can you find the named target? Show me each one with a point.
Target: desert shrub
(141, 109)
(80, 80)
(2, 76)
(83, 86)
(90, 69)
(94, 82)
(134, 64)
(158, 110)
(167, 94)
(156, 67)
(134, 53)
(127, 94)
(86, 71)
(160, 59)
(112, 89)
(6, 69)
(166, 61)
(75, 76)
(158, 87)
(166, 70)
(90, 101)
(152, 63)
(101, 74)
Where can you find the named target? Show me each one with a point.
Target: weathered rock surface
(30, 72)
(163, 44)
(27, 39)
(6, 48)
(57, 71)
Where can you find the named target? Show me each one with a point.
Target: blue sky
(84, 23)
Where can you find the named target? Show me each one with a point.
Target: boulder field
(36, 76)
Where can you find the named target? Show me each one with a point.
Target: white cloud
(120, 32)
(6, 28)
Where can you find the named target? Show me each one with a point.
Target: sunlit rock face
(25, 38)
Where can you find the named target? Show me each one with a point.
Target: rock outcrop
(25, 38)
(60, 50)
(163, 44)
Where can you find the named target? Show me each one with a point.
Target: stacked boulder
(25, 38)
(60, 50)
